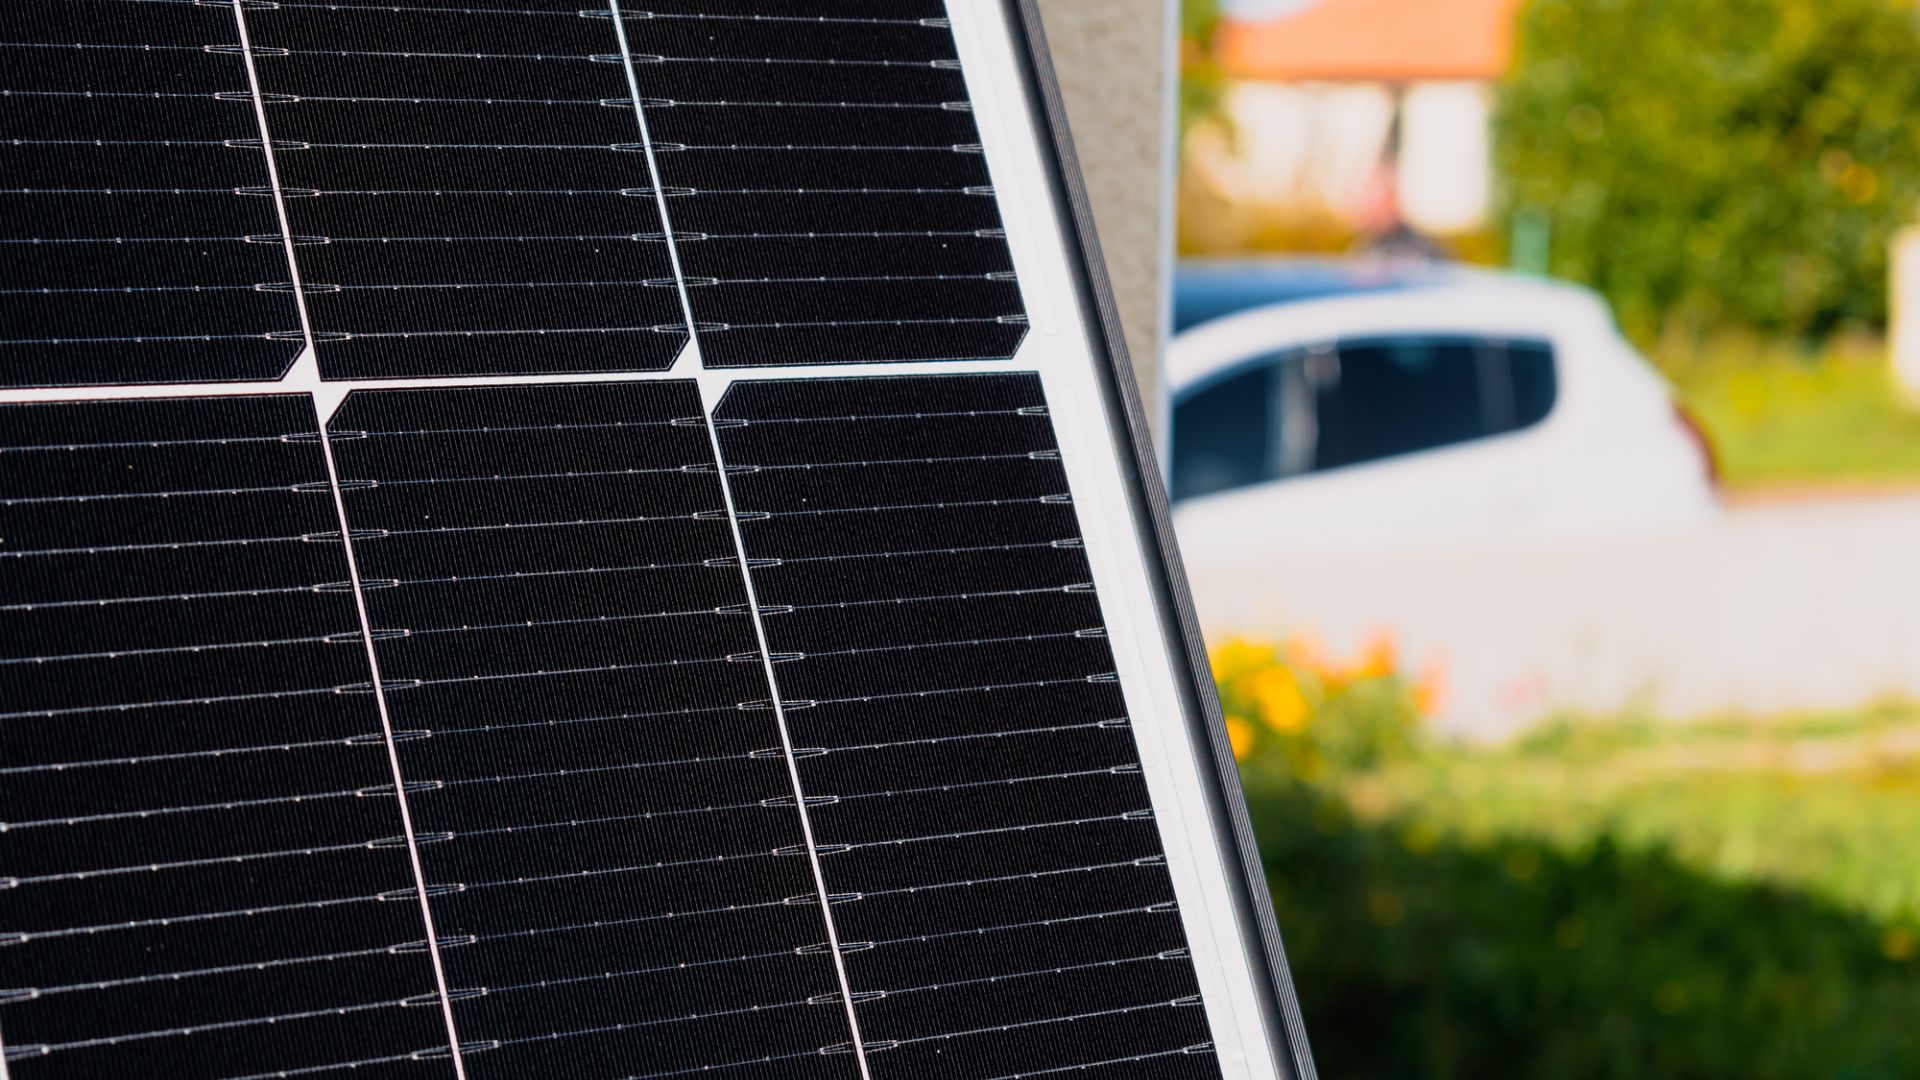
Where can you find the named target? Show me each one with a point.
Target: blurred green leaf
(1703, 162)
(1202, 84)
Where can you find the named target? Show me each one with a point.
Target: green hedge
(1717, 161)
(1422, 957)
(1604, 898)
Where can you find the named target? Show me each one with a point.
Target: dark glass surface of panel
(138, 230)
(470, 189)
(945, 673)
(828, 195)
(610, 832)
(204, 865)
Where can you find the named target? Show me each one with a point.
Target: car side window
(1535, 382)
(1299, 411)
(1223, 433)
(1381, 399)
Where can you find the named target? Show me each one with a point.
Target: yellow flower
(1430, 690)
(1306, 651)
(1282, 705)
(1378, 657)
(1240, 734)
(1237, 655)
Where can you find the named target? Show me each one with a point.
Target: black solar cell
(204, 867)
(825, 183)
(943, 664)
(469, 187)
(561, 617)
(140, 242)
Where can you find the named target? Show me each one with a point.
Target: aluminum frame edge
(1152, 514)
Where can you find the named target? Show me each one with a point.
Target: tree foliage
(1202, 83)
(1199, 18)
(1707, 162)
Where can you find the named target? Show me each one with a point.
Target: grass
(1826, 804)
(1781, 417)
(1610, 898)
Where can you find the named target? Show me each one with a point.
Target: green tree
(1201, 81)
(1706, 162)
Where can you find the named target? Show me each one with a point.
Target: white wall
(1446, 166)
(1309, 149)
(1314, 149)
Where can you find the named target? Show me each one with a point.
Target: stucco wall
(1111, 56)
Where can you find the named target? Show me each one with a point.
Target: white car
(1321, 407)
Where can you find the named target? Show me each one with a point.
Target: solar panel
(562, 624)
(205, 866)
(829, 194)
(942, 657)
(471, 607)
(141, 241)
(467, 188)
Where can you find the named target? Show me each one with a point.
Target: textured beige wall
(1111, 56)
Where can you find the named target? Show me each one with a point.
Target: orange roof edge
(1374, 41)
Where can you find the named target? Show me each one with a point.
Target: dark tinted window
(1223, 434)
(1386, 398)
(1534, 382)
(1299, 411)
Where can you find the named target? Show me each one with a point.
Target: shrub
(1202, 83)
(1563, 908)
(1292, 710)
(1417, 954)
(1700, 161)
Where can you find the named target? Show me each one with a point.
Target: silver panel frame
(1151, 511)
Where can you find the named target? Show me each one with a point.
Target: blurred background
(1540, 394)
